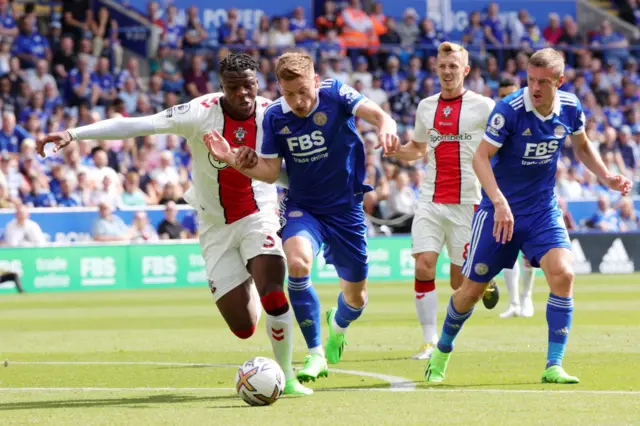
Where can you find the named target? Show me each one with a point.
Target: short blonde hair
(447, 48)
(548, 58)
(293, 65)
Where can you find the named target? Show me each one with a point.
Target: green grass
(493, 378)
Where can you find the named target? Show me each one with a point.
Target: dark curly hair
(237, 62)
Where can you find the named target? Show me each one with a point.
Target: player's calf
(426, 301)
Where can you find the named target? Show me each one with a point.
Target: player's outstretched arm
(410, 151)
(112, 129)
(387, 127)
(584, 151)
(246, 160)
(503, 221)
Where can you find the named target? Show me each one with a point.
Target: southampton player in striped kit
(238, 216)
(449, 127)
(516, 164)
(312, 128)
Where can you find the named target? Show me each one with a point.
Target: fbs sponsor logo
(97, 271)
(159, 269)
(616, 260)
(581, 264)
(51, 273)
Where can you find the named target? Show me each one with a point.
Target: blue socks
(559, 314)
(306, 307)
(347, 314)
(451, 327)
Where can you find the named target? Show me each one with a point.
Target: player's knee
(425, 267)
(299, 265)
(356, 298)
(562, 278)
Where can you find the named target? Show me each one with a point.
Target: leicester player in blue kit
(516, 165)
(312, 127)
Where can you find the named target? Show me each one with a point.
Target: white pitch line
(430, 390)
(396, 383)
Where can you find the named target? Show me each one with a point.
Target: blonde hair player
(520, 302)
(449, 127)
(516, 164)
(312, 128)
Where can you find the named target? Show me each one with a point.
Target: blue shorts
(343, 236)
(533, 234)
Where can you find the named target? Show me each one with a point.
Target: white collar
(528, 105)
(286, 108)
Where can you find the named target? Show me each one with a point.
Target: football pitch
(166, 357)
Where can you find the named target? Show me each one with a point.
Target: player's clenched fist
(60, 139)
(502, 222)
(246, 158)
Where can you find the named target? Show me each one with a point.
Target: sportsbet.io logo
(435, 138)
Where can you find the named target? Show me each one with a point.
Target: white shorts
(435, 224)
(227, 249)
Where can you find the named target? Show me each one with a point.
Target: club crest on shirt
(239, 134)
(559, 131)
(320, 118)
(447, 111)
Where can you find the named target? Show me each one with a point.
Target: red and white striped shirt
(453, 128)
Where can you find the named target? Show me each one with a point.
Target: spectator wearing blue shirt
(109, 227)
(8, 26)
(36, 107)
(80, 82)
(629, 216)
(190, 223)
(228, 31)
(615, 46)
(174, 31)
(391, 78)
(304, 33)
(40, 195)
(613, 112)
(429, 38)
(605, 218)
(67, 198)
(626, 146)
(30, 46)
(11, 134)
(104, 83)
(473, 37)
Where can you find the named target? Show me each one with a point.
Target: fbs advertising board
(90, 267)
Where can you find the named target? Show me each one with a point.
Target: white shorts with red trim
(227, 248)
(435, 225)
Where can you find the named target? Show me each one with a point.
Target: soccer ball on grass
(260, 381)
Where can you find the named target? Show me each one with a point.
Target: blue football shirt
(525, 165)
(323, 152)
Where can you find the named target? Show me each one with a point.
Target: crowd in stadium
(65, 71)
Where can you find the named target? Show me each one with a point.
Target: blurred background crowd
(69, 69)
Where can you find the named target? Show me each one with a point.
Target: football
(260, 381)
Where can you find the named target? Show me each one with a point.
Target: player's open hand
(246, 158)
(502, 222)
(390, 142)
(219, 147)
(619, 183)
(59, 139)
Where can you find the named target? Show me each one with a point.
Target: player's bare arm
(387, 127)
(503, 222)
(410, 151)
(265, 169)
(584, 151)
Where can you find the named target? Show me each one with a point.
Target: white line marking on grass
(431, 390)
(396, 383)
(118, 389)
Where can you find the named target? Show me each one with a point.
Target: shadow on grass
(133, 402)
